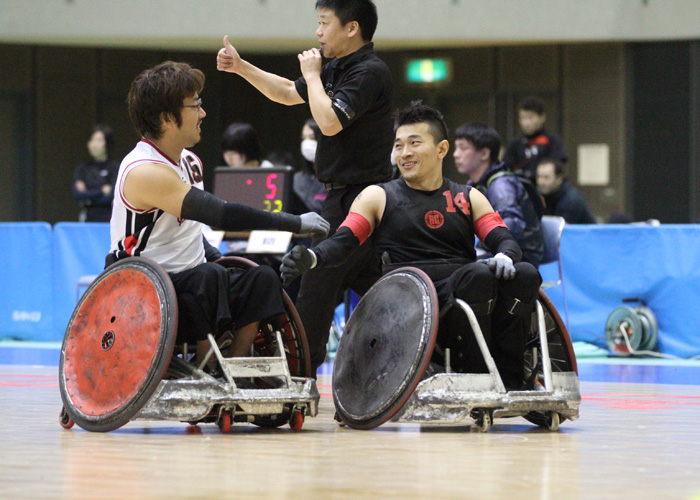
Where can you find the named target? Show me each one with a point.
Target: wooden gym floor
(638, 437)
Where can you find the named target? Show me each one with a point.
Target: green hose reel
(631, 330)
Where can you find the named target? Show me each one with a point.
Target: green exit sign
(428, 71)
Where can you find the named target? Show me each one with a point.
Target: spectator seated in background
(308, 190)
(560, 196)
(241, 147)
(523, 153)
(514, 198)
(93, 187)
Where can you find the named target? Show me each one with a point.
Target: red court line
(20, 384)
(643, 396)
(640, 401)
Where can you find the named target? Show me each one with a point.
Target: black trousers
(213, 300)
(322, 290)
(503, 309)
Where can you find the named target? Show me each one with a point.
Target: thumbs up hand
(228, 59)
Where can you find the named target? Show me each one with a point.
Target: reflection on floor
(637, 437)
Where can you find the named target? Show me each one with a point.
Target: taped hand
(502, 266)
(297, 261)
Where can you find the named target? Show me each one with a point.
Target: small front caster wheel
(224, 422)
(553, 421)
(482, 419)
(65, 420)
(296, 421)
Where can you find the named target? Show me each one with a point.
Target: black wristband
(499, 240)
(288, 222)
(335, 250)
(208, 209)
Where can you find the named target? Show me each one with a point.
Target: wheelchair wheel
(386, 348)
(118, 344)
(561, 353)
(293, 335)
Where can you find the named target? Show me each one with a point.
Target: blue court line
(30, 353)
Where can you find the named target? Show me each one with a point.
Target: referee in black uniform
(351, 99)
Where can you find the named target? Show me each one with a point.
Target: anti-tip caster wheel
(224, 422)
(296, 421)
(553, 421)
(65, 420)
(482, 419)
(193, 430)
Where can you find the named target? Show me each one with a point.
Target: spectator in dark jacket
(524, 152)
(93, 186)
(560, 196)
(476, 155)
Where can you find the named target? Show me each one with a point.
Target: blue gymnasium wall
(26, 277)
(602, 265)
(40, 272)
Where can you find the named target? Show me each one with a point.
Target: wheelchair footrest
(450, 397)
(190, 400)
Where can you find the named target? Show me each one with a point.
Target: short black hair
(532, 104)
(481, 136)
(362, 11)
(417, 112)
(558, 165)
(242, 138)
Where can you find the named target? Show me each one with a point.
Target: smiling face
(192, 115)
(332, 35)
(418, 156)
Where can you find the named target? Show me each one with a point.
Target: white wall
(288, 25)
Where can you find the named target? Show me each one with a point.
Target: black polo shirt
(362, 92)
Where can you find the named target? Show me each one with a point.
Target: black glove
(502, 266)
(297, 261)
(313, 223)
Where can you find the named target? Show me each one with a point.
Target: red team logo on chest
(434, 219)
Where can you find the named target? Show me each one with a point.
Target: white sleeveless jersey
(176, 244)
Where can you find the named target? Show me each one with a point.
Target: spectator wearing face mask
(307, 188)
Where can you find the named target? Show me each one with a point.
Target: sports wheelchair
(120, 362)
(381, 370)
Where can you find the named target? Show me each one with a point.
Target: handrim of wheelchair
(120, 362)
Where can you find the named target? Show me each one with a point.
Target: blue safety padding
(26, 306)
(79, 249)
(604, 264)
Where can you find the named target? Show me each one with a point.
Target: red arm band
(358, 225)
(484, 224)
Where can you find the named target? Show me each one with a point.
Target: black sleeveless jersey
(426, 225)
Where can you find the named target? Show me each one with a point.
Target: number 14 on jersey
(460, 200)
